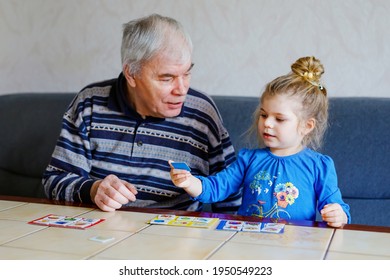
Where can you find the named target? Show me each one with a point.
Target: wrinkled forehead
(171, 62)
(176, 56)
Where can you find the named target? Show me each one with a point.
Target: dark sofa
(358, 141)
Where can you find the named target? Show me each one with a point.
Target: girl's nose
(268, 123)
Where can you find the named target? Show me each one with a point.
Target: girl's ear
(129, 78)
(309, 126)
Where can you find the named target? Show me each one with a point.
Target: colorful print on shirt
(284, 194)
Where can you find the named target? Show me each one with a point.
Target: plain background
(239, 45)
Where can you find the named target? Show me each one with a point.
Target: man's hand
(111, 193)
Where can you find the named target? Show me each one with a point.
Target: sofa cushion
(237, 115)
(30, 124)
(358, 141)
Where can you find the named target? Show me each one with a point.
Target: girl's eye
(280, 120)
(263, 116)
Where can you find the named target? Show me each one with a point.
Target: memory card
(180, 165)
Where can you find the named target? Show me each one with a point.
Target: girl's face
(279, 124)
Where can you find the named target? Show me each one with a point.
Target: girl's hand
(184, 179)
(334, 215)
(180, 178)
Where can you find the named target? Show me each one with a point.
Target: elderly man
(117, 135)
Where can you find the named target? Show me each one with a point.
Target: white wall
(62, 45)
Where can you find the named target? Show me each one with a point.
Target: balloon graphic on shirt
(260, 179)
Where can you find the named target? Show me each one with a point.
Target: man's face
(162, 85)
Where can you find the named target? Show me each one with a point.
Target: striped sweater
(101, 135)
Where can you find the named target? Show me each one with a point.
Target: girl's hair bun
(310, 69)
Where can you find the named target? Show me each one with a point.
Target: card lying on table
(53, 220)
(183, 221)
(250, 226)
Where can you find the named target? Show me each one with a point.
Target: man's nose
(180, 86)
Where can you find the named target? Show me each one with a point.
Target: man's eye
(166, 79)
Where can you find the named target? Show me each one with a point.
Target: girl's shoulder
(318, 157)
(248, 153)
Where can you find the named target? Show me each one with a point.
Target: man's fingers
(106, 203)
(113, 192)
(129, 191)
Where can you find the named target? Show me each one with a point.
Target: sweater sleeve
(67, 175)
(327, 186)
(226, 182)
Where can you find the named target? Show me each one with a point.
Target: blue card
(180, 165)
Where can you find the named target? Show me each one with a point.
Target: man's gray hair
(148, 36)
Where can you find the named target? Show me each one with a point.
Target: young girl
(287, 178)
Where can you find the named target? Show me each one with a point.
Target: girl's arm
(333, 209)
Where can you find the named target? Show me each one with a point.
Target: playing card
(180, 165)
(233, 225)
(251, 226)
(272, 228)
(102, 239)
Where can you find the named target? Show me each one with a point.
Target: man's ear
(309, 126)
(129, 78)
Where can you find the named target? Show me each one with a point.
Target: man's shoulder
(100, 86)
(97, 92)
(200, 100)
(198, 94)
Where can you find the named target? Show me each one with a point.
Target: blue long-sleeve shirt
(291, 187)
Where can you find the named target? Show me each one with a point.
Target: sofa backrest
(358, 140)
(30, 124)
